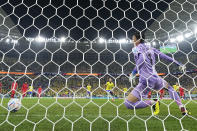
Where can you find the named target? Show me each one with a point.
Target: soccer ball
(14, 105)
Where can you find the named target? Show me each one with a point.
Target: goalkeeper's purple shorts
(145, 85)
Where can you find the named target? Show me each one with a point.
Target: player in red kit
(39, 91)
(149, 94)
(162, 92)
(13, 89)
(182, 94)
(24, 89)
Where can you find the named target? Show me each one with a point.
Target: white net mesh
(59, 47)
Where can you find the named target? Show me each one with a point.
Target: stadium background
(67, 57)
(24, 25)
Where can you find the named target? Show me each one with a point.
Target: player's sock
(12, 95)
(184, 110)
(161, 96)
(138, 104)
(112, 95)
(173, 95)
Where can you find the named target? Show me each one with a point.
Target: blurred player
(39, 91)
(24, 89)
(13, 89)
(109, 85)
(181, 91)
(30, 91)
(149, 94)
(145, 66)
(66, 94)
(176, 87)
(162, 92)
(125, 91)
(89, 90)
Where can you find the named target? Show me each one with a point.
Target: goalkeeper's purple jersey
(145, 61)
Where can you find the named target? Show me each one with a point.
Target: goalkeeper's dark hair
(140, 35)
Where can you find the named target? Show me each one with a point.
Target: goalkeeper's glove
(182, 68)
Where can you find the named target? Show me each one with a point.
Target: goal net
(69, 63)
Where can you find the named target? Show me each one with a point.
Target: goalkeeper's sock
(173, 95)
(184, 111)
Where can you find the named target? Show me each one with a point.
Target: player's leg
(112, 95)
(162, 92)
(26, 92)
(182, 95)
(30, 94)
(23, 93)
(149, 95)
(39, 94)
(88, 94)
(134, 98)
(12, 94)
(173, 94)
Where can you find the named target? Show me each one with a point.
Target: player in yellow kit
(30, 91)
(109, 85)
(89, 90)
(176, 87)
(125, 91)
(66, 94)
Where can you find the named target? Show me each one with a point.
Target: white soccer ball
(14, 105)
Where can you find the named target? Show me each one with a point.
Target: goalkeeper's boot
(156, 107)
(184, 111)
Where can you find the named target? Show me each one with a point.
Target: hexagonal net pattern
(69, 63)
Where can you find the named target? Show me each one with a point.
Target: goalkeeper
(145, 66)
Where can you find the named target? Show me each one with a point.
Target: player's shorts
(39, 91)
(13, 92)
(181, 94)
(125, 93)
(24, 91)
(108, 91)
(29, 93)
(143, 88)
(89, 92)
(161, 91)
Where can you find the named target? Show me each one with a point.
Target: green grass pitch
(97, 114)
